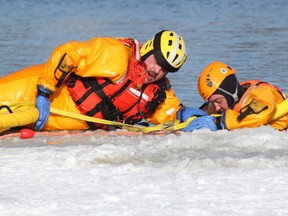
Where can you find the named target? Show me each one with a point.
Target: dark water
(249, 35)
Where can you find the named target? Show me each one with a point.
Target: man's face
(219, 102)
(154, 71)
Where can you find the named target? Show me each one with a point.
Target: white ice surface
(242, 172)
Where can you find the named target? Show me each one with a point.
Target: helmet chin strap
(234, 96)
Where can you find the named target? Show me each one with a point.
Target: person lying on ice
(248, 104)
(115, 79)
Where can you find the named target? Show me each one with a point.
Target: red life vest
(127, 101)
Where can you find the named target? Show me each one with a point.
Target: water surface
(249, 35)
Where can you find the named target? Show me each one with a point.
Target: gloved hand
(43, 105)
(211, 122)
(186, 112)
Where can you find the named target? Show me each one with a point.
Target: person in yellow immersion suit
(247, 104)
(101, 62)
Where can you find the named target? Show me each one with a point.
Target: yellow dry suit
(256, 107)
(103, 58)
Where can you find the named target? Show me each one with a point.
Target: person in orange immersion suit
(247, 104)
(115, 79)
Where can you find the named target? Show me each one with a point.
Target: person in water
(115, 79)
(247, 104)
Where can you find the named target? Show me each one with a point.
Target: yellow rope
(170, 126)
(95, 120)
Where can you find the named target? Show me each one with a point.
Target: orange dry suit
(110, 61)
(256, 107)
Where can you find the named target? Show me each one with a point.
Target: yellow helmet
(168, 48)
(211, 78)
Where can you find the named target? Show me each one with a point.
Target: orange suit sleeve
(98, 57)
(167, 110)
(257, 110)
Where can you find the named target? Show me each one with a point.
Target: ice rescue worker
(248, 104)
(115, 79)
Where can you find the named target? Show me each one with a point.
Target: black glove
(159, 97)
